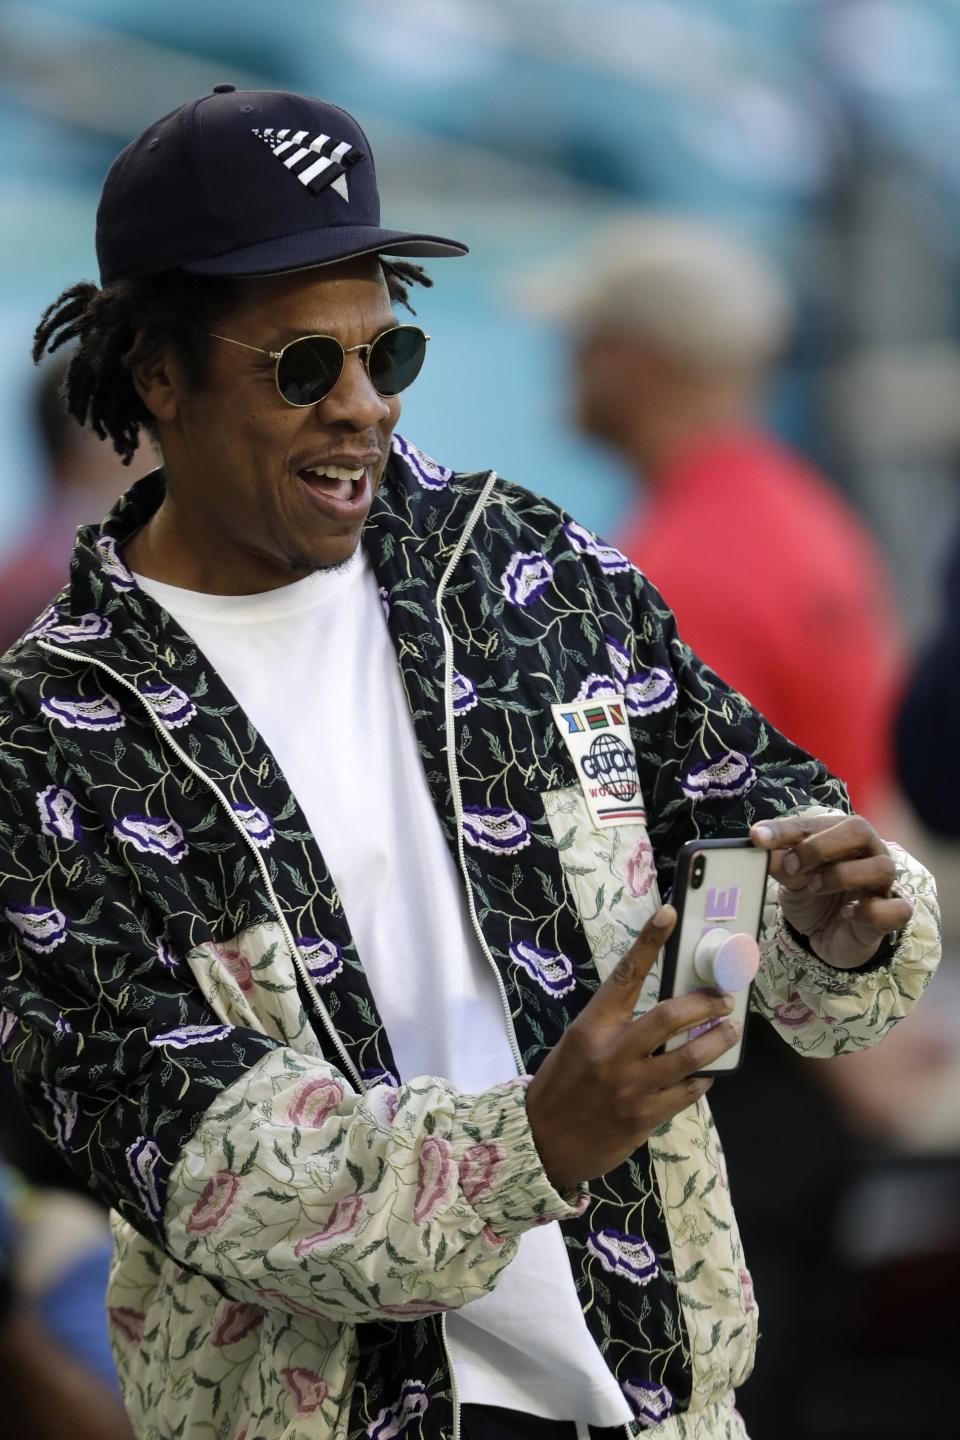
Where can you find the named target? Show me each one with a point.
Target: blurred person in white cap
(676, 324)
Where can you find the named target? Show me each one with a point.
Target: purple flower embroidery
(596, 686)
(75, 713)
(619, 657)
(612, 561)
(583, 540)
(143, 1156)
(153, 834)
(651, 1403)
(409, 1406)
(169, 703)
(622, 1254)
(464, 694)
(720, 776)
(58, 814)
(427, 472)
(40, 927)
(84, 627)
(376, 1075)
(8, 1024)
(650, 691)
(120, 577)
(552, 971)
(43, 622)
(63, 1026)
(385, 601)
(168, 960)
(495, 828)
(65, 1107)
(526, 577)
(323, 958)
(256, 822)
(183, 1036)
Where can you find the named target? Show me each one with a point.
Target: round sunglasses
(308, 368)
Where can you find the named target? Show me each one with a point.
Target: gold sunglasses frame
(362, 350)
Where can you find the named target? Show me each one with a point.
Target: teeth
(335, 472)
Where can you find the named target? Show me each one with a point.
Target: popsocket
(727, 961)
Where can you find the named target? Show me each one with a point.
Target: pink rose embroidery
(314, 1101)
(436, 1176)
(215, 1203)
(344, 1218)
(413, 1309)
(128, 1322)
(235, 1320)
(239, 967)
(639, 869)
(491, 1238)
(746, 1291)
(306, 1387)
(794, 1013)
(479, 1169)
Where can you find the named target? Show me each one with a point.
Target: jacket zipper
(200, 773)
(454, 777)
(452, 772)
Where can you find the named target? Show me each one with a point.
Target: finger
(873, 876)
(780, 832)
(666, 1103)
(672, 1017)
(672, 1066)
(620, 991)
(851, 838)
(882, 915)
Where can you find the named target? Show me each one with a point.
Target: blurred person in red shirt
(85, 479)
(676, 324)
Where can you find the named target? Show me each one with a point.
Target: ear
(157, 380)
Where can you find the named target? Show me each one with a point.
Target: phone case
(714, 942)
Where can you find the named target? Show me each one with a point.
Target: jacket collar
(413, 526)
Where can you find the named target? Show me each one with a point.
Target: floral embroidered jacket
(189, 1023)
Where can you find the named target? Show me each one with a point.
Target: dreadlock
(129, 321)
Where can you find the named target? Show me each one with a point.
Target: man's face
(247, 511)
(597, 383)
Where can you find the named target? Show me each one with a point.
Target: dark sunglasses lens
(309, 369)
(396, 359)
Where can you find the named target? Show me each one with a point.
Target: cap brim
(309, 249)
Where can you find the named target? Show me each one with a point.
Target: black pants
(490, 1422)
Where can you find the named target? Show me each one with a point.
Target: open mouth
(335, 481)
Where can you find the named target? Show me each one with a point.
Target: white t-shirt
(314, 669)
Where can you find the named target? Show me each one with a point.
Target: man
(675, 323)
(303, 883)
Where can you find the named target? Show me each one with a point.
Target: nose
(353, 401)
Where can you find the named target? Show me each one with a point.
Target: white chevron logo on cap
(317, 161)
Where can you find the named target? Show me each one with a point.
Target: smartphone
(718, 892)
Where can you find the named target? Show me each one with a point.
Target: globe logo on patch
(611, 764)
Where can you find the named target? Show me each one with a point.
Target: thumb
(618, 994)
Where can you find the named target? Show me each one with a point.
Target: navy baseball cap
(247, 182)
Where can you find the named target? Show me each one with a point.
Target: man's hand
(602, 1091)
(836, 884)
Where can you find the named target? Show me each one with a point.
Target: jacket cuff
(503, 1179)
